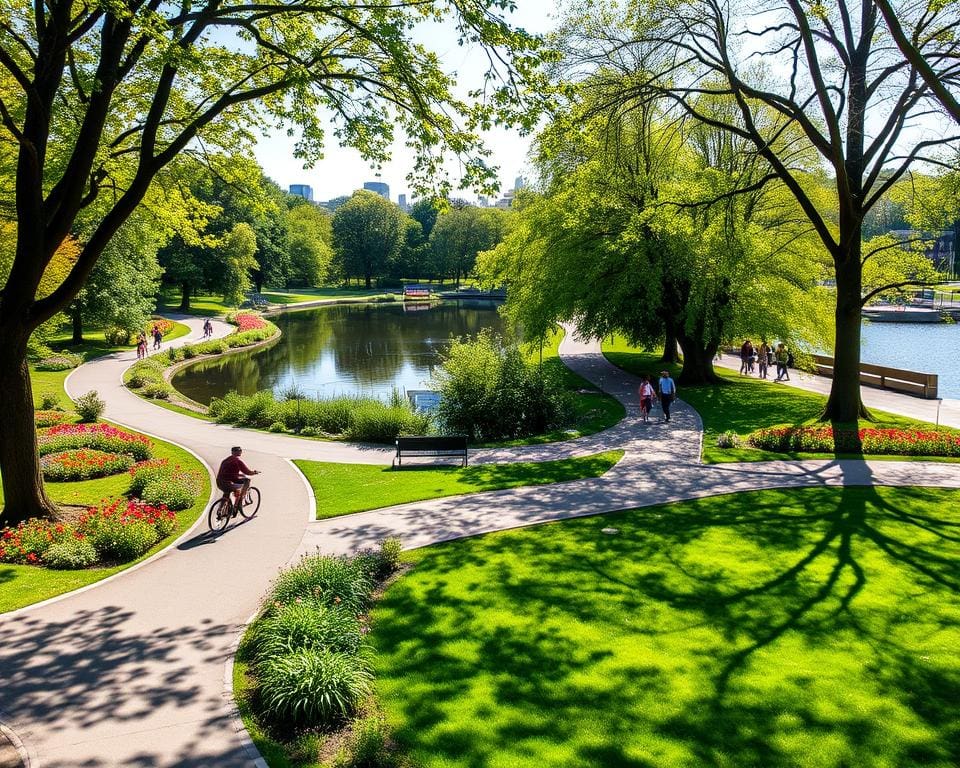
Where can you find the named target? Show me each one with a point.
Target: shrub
(375, 422)
(326, 580)
(158, 390)
(101, 437)
(70, 554)
(728, 439)
(28, 542)
(123, 531)
(309, 432)
(59, 361)
(306, 624)
(175, 354)
(143, 372)
(157, 483)
(278, 426)
(312, 687)
(382, 562)
(117, 336)
(83, 464)
(89, 406)
(50, 401)
(489, 392)
(893, 442)
(44, 419)
(168, 492)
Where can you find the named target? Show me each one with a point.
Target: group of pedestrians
(665, 392)
(763, 357)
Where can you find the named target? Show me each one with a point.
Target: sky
(343, 170)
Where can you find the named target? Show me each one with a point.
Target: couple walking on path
(668, 391)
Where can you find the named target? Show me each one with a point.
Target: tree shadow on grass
(753, 631)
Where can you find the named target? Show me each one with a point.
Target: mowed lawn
(816, 627)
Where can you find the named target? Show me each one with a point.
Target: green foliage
(89, 407)
(460, 234)
(306, 625)
(120, 541)
(488, 391)
(238, 249)
(325, 580)
(308, 242)
(71, 554)
(158, 390)
(50, 401)
(367, 235)
(357, 418)
(312, 687)
(157, 482)
(83, 464)
(369, 745)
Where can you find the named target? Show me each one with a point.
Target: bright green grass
(743, 405)
(341, 489)
(95, 345)
(22, 585)
(301, 295)
(816, 628)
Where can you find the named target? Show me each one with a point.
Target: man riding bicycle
(233, 475)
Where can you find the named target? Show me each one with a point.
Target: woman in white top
(647, 396)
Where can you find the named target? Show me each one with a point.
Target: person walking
(157, 337)
(746, 357)
(668, 391)
(783, 358)
(207, 328)
(762, 359)
(647, 396)
(141, 345)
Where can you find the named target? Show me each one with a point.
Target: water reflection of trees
(370, 345)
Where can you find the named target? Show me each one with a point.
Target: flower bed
(164, 325)
(248, 321)
(892, 442)
(83, 464)
(157, 482)
(101, 437)
(44, 419)
(116, 531)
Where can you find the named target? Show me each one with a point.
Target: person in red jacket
(234, 476)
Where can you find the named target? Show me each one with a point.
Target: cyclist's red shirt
(232, 469)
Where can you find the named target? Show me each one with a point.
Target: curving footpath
(130, 671)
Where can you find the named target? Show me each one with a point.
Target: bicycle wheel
(219, 515)
(251, 503)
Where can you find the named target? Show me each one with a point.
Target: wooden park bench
(432, 445)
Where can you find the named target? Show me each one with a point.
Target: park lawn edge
(577, 468)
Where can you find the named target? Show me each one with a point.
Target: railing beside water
(882, 377)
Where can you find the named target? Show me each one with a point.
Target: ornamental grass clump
(890, 442)
(306, 624)
(83, 464)
(312, 687)
(326, 580)
(101, 437)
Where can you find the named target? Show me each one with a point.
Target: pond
(351, 349)
(924, 347)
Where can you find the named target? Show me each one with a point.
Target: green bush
(310, 432)
(278, 426)
(312, 687)
(89, 406)
(120, 541)
(382, 562)
(168, 492)
(489, 392)
(326, 580)
(116, 336)
(158, 390)
(50, 401)
(176, 354)
(70, 555)
(156, 482)
(375, 422)
(299, 625)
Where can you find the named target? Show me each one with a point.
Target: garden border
(18, 744)
(236, 721)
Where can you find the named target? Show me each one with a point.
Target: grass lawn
(211, 305)
(743, 405)
(344, 488)
(95, 345)
(816, 628)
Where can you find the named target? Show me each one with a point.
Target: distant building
(379, 187)
(302, 190)
(519, 184)
(402, 202)
(506, 201)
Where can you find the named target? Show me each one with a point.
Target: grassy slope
(742, 405)
(95, 345)
(814, 628)
(341, 489)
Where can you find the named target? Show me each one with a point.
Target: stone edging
(16, 744)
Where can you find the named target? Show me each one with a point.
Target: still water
(349, 349)
(924, 347)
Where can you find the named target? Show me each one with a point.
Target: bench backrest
(432, 443)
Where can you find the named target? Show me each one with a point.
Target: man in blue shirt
(668, 391)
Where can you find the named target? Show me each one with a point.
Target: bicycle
(223, 509)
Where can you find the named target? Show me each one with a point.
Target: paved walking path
(130, 672)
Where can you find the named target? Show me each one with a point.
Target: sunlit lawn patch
(344, 488)
(815, 628)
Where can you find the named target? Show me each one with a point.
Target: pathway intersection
(130, 671)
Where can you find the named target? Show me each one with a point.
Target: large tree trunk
(23, 491)
(697, 362)
(77, 323)
(844, 405)
(670, 348)
(184, 297)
